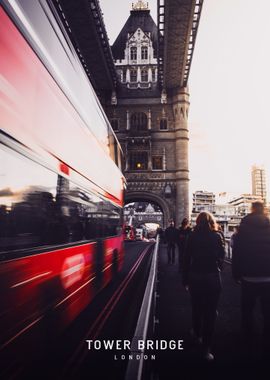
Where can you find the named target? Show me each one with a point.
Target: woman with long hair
(203, 260)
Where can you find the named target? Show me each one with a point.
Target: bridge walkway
(232, 360)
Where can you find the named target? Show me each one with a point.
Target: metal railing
(145, 322)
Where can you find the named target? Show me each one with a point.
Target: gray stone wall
(151, 184)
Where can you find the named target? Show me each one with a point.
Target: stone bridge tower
(150, 124)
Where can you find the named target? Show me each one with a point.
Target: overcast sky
(229, 91)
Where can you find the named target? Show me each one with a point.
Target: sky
(229, 86)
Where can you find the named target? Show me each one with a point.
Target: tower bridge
(142, 82)
(61, 244)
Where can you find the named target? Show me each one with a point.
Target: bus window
(45, 208)
(111, 219)
(27, 202)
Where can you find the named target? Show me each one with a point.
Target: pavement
(232, 358)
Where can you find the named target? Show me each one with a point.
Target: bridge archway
(149, 197)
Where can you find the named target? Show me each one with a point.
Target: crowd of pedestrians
(201, 253)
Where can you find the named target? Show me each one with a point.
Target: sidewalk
(174, 315)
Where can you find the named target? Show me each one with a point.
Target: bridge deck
(174, 314)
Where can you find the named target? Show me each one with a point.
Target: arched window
(144, 52)
(182, 112)
(133, 75)
(144, 75)
(163, 124)
(153, 75)
(133, 53)
(139, 121)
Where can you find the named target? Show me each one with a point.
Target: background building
(259, 182)
(243, 203)
(203, 201)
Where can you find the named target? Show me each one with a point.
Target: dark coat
(204, 253)
(183, 234)
(171, 235)
(251, 250)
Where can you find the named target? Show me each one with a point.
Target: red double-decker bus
(61, 185)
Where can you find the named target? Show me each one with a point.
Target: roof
(137, 19)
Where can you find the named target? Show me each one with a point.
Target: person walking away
(203, 259)
(219, 230)
(251, 268)
(217, 227)
(232, 239)
(171, 238)
(183, 234)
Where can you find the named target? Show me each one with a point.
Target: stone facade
(150, 123)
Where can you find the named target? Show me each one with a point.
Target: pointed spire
(140, 6)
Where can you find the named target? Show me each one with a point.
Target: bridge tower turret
(180, 103)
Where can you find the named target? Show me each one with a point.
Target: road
(111, 316)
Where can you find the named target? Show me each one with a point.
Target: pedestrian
(251, 268)
(219, 230)
(232, 239)
(171, 239)
(183, 233)
(203, 259)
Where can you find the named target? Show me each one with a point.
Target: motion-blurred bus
(61, 185)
